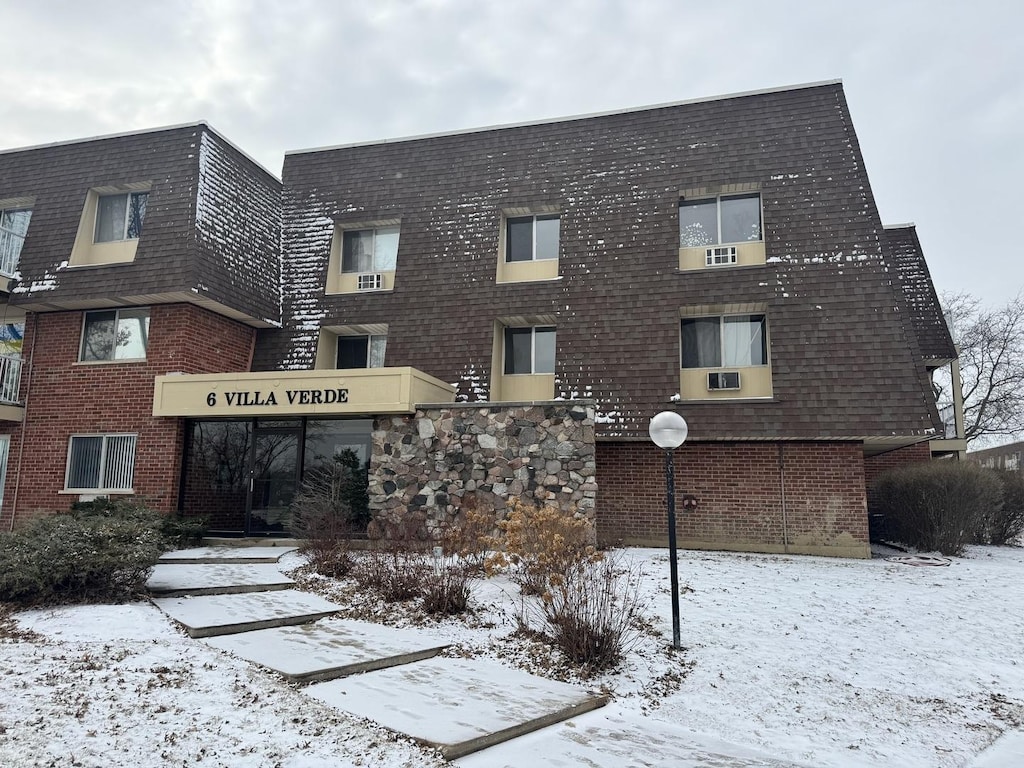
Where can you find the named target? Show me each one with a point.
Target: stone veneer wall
(427, 468)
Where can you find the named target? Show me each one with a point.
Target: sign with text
(369, 391)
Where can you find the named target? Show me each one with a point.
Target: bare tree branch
(991, 341)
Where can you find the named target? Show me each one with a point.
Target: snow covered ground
(811, 661)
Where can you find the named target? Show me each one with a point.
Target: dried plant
(470, 537)
(446, 587)
(323, 518)
(539, 545)
(594, 614)
(394, 566)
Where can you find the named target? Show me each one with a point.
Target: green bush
(99, 552)
(180, 532)
(937, 505)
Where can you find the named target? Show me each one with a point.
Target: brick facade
(902, 457)
(805, 498)
(64, 397)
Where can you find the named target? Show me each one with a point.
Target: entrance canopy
(348, 392)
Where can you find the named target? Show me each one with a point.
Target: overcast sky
(936, 88)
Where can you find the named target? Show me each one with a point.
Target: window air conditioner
(370, 282)
(725, 254)
(728, 380)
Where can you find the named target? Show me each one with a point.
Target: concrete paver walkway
(227, 554)
(170, 579)
(328, 649)
(210, 615)
(455, 705)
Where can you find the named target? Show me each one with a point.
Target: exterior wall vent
(727, 380)
(369, 282)
(721, 255)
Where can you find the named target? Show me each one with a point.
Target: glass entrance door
(274, 477)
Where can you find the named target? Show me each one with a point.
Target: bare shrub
(394, 566)
(470, 537)
(582, 602)
(446, 587)
(540, 545)
(1004, 523)
(594, 615)
(936, 505)
(324, 518)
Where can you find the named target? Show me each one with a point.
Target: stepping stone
(328, 649)
(212, 615)
(179, 579)
(226, 554)
(457, 705)
(614, 737)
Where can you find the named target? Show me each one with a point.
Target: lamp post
(668, 430)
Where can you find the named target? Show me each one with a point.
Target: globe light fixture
(668, 430)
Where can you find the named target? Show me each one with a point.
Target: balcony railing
(10, 252)
(10, 379)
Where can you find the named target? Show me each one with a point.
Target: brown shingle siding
(840, 356)
(231, 257)
(925, 312)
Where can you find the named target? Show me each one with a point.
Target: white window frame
(125, 220)
(533, 236)
(373, 248)
(718, 218)
(722, 341)
(104, 458)
(533, 349)
(370, 337)
(10, 255)
(117, 320)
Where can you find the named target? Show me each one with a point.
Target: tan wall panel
(755, 381)
(88, 253)
(277, 393)
(747, 255)
(526, 271)
(527, 387)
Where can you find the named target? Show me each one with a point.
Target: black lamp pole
(668, 431)
(670, 481)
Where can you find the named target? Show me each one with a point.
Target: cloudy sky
(936, 88)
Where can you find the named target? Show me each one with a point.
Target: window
(115, 334)
(13, 228)
(530, 350)
(361, 351)
(369, 250)
(717, 220)
(724, 342)
(100, 463)
(119, 217)
(531, 238)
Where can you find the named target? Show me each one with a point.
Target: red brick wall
(65, 397)
(739, 487)
(912, 454)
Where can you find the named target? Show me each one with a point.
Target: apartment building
(477, 316)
